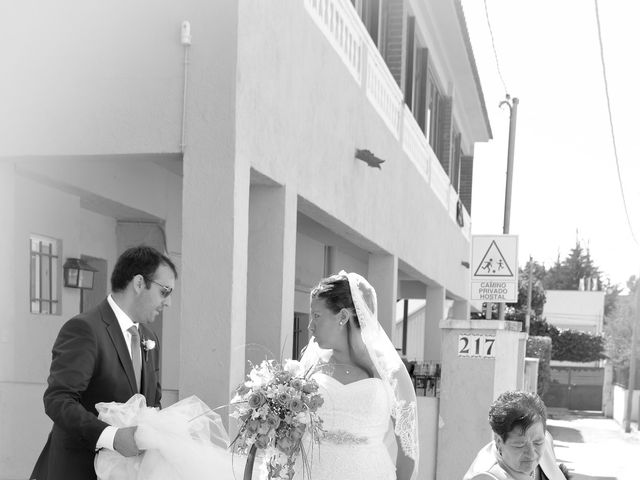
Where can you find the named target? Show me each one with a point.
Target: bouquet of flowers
(275, 407)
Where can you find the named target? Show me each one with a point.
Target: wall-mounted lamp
(78, 273)
(464, 263)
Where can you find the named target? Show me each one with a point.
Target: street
(594, 447)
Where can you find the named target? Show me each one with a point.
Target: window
(456, 160)
(370, 12)
(300, 334)
(44, 275)
(420, 84)
(433, 111)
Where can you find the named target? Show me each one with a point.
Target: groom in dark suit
(105, 355)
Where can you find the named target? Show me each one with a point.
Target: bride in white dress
(366, 389)
(368, 396)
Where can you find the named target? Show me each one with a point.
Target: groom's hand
(124, 443)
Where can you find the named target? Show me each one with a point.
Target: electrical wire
(613, 135)
(495, 53)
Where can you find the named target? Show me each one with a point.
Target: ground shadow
(565, 434)
(580, 476)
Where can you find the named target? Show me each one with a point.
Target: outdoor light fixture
(78, 273)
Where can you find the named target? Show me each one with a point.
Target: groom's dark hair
(140, 260)
(336, 293)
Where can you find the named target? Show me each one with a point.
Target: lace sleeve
(406, 422)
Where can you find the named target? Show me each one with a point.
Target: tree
(540, 348)
(517, 311)
(566, 275)
(619, 325)
(611, 296)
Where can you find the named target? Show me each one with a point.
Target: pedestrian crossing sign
(494, 268)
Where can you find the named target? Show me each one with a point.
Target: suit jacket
(486, 464)
(90, 364)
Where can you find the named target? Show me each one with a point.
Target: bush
(540, 347)
(575, 346)
(570, 345)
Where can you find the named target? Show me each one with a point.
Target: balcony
(341, 25)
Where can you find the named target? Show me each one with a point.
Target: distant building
(575, 309)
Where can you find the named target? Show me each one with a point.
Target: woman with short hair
(522, 449)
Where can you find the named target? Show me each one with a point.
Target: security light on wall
(78, 273)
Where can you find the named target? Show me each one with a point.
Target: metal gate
(575, 388)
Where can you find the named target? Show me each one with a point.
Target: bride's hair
(335, 292)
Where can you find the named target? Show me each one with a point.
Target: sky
(565, 181)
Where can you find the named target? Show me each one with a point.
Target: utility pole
(632, 362)
(527, 318)
(512, 103)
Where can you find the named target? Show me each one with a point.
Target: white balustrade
(415, 144)
(466, 229)
(382, 89)
(453, 202)
(341, 25)
(440, 183)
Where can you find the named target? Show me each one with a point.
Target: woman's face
(521, 451)
(324, 325)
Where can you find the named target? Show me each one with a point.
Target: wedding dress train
(184, 441)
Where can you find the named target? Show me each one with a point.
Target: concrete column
(214, 218)
(607, 390)
(7, 272)
(509, 361)
(522, 353)
(434, 314)
(271, 272)
(469, 384)
(461, 310)
(383, 275)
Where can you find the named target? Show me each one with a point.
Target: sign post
(494, 268)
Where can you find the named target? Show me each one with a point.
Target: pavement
(594, 447)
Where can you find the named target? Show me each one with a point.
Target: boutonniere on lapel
(147, 346)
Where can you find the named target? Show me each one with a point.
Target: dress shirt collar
(124, 320)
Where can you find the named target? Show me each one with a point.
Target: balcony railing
(340, 23)
(382, 89)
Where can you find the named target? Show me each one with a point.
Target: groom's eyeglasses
(164, 290)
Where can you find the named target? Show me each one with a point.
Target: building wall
(86, 89)
(309, 144)
(578, 310)
(37, 208)
(620, 404)
(28, 338)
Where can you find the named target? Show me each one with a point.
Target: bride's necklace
(346, 368)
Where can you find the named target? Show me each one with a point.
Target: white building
(575, 309)
(252, 186)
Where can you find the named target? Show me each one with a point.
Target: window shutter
(392, 36)
(409, 55)
(444, 135)
(466, 181)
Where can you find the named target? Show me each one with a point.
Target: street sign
(494, 268)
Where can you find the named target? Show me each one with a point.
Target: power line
(613, 135)
(493, 45)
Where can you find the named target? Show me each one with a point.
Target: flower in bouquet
(276, 406)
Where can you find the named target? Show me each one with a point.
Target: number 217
(476, 346)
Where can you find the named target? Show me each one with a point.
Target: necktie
(136, 354)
